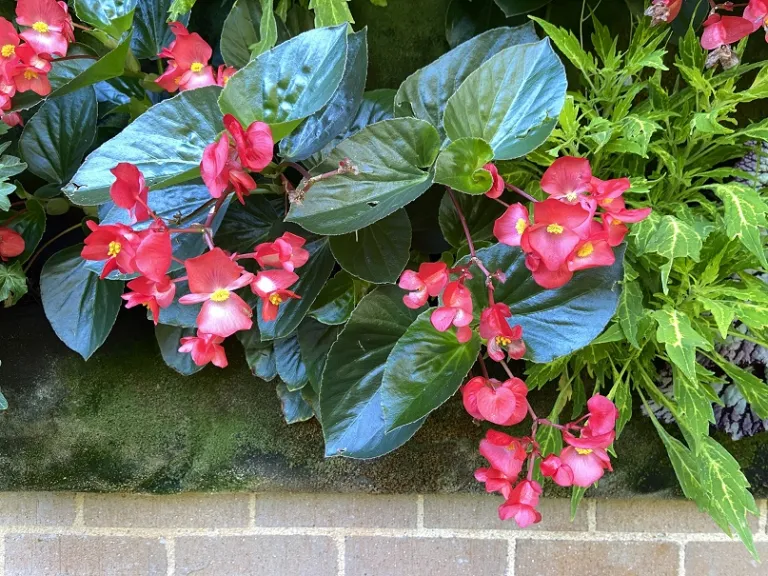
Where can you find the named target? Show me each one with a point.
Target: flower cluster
(188, 62)
(581, 463)
(720, 31)
(564, 236)
(213, 277)
(47, 32)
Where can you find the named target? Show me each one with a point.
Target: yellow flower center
(555, 229)
(521, 225)
(275, 299)
(8, 50)
(607, 201)
(114, 248)
(571, 196)
(196, 67)
(585, 250)
(583, 451)
(615, 222)
(503, 341)
(41, 27)
(226, 80)
(220, 295)
(30, 75)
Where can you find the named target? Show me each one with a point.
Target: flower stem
(506, 369)
(299, 168)
(482, 365)
(522, 193)
(500, 201)
(76, 57)
(37, 253)
(468, 236)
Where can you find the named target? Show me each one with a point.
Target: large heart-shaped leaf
(460, 166)
(259, 355)
(424, 93)
(336, 300)
(111, 16)
(350, 394)
(555, 322)
(424, 369)
(247, 225)
(166, 143)
(169, 338)
(293, 405)
(249, 23)
(480, 213)
(290, 82)
(151, 32)
(290, 365)
(320, 128)
(377, 253)
(392, 160)
(57, 137)
(315, 341)
(81, 308)
(512, 101)
(312, 277)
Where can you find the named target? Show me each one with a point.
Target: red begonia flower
(154, 254)
(602, 415)
(154, 294)
(456, 310)
(495, 481)
(586, 465)
(12, 119)
(11, 243)
(169, 80)
(223, 74)
(618, 210)
(504, 453)
(497, 186)
(500, 335)
(663, 10)
(49, 25)
(31, 71)
(757, 13)
(613, 223)
(521, 504)
(556, 231)
(509, 227)
(549, 279)
(9, 41)
(205, 348)
(213, 278)
(286, 252)
(567, 179)
(129, 191)
(254, 145)
(430, 280)
(191, 54)
(591, 253)
(115, 243)
(552, 467)
(271, 286)
(724, 30)
(221, 170)
(606, 190)
(178, 29)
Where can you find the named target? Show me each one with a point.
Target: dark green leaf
(290, 366)
(259, 355)
(315, 341)
(515, 7)
(512, 100)
(81, 308)
(460, 166)
(392, 158)
(57, 137)
(31, 225)
(179, 315)
(245, 26)
(169, 340)
(111, 16)
(336, 300)
(480, 213)
(290, 82)
(377, 105)
(350, 395)
(377, 253)
(295, 408)
(151, 32)
(166, 143)
(247, 225)
(13, 283)
(465, 19)
(3, 402)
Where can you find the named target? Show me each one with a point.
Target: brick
(176, 511)
(49, 555)
(370, 556)
(336, 510)
(724, 559)
(670, 516)
(480, 512)
(600, 558)
(263, 555)
(37, 509)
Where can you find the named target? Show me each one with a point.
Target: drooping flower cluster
(720, 31)
(47, 32)
(563, 236)
(188, 58)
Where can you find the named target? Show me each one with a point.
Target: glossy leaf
(376, 105)
(249, 23)
(57, 137)
(290, 365)
(512, 101)
(151, 32)
(179, 315)
(247, 225)
(515, 7)
(31, 225)
(377, 253)
(425, 93)
(294, 407)
(424, 369)
(169, 340)
(392, 158)
(259, 355)
(65, 280)
(315, 341)
(555, 322)
(480, 213)
(319, 129)
(288, 83)
(460, 166)
(350, 395)
(336, 300)
(312, 277)
(111, 16)
(181, 127)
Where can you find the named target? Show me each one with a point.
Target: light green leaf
(695, 408)
(570, 46)
(249, 30)
(744, 216)
(754, 390)
(13, 283)
(680, 339)
(460, 166)
(636, 135)
(112, 16)
(622, 398)
(331, 12)
(672, 239)
(630, 311)
(722, 313)
(179, 8)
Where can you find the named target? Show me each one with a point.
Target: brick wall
(47, 534)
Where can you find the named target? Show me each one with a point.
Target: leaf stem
(76, 57)
(37, 253)
(522, 193)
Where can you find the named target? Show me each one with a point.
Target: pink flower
(757, 13)
(31, 71)
(549, 279)
(504, 453)
(591, 253)
(254, 145)
(12, 119)
(171, 78)
(9, 41)
(495, 328)
(602, 415)
(552, 467)
(286, 252)
(430, 280)
(154, 254)
(456, 310)
(271, 286)
(188, 66)
(502, 403)
(213, 277)
(129, 191)
(205, 348)
(724, 30)
(495, 481)
(221, 170)
(521, 504)
(663, 11)
(50, 25)
(509, 227)
(497, 187)
(557, 230)
(115, 243)
(567, 179)
(587, 465)
(11, 243)
(223, 74)
(605, 191)
(150, 293)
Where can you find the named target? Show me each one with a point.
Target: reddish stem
(500, 201)
(180, 278)
(468, 236)
(482, 366)
(197, 230)
(76, 57)
(522, 193)
(300, 169)
(506, 369)
(531, 412)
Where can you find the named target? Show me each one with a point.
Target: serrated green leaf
(569, 45)
(622, 398)
(331, 12)
(680, 339)
(13, 283)
(178, 8)
(754, 390)
(577, 494)
(695, 414)
(672, 239)
(630, 310)
(722, 313)
(636, 135)
(744, 216)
